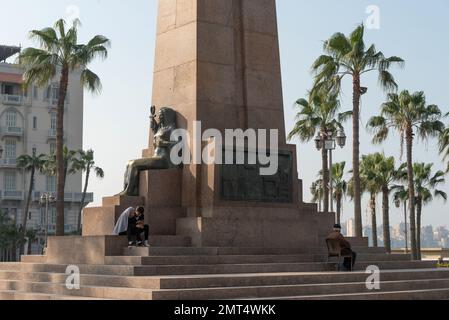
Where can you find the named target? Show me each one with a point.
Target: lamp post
(329, 142)
(397, 202)
(46, 199)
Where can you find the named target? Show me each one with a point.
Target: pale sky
(116, 122)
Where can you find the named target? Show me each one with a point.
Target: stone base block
(84, 250)
(306, 231)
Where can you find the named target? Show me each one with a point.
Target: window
(34, 150)
(52, 148)
(34, 123)
(10, 149)
(11, 119)
(29, 215)
(10, 181)
(48, 93)
(53, 120)
(51, 183)
(55, 92)
(52, 215)
(35, 93)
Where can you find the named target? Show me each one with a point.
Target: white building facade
(28, 126)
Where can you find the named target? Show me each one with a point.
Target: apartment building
(28, 126)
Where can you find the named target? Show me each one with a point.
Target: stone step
(358, 242)
(239, 259)
(33, 259)
(296, 290)
(278, 279)
(205, 259)
(192, 251)
(305, 291)
(85, 279)
(168, 241)
(193, 269)
(54, 288)
(61, 268)
(209, 251)
(225, 280)
(268, 268)
(18, 295)
(428, 294)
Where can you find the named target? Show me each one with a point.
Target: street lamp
(329, 141)
(46, 199)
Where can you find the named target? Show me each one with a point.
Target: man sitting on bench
(345, 247)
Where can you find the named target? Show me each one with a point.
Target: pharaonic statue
(163, 145)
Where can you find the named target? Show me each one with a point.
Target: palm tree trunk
(29, 247)
(356, 156)
(324, 155)
(373, 219)
(60, 151)
(338, 209)
(411, 188)
(418, 226)
(386, 218)
(83, 197)
(26, 209)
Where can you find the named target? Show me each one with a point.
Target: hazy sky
(116, 123)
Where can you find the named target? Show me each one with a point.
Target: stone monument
(218, 62)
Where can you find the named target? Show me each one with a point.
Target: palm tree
(348, 56)
(59, 55)
(444, 145)
(370, 184)
(340, 187)
(317, 193)
(409, 115)
(401, 194)
(70, 159)
(32, 237)
(319, 115)
(385, 174)
(426, 184)
(86, 164)
(30, 164)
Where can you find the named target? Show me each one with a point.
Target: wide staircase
(173, 270)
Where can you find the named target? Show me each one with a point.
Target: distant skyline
(116, 123)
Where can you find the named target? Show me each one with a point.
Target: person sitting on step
(345, 247)
(132, 224)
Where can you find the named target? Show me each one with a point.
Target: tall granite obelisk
(217, 61)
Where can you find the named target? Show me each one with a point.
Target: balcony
(12, 99)
(52, 134)
(68, 197)
(12, 195)
(12, 132)
(8, 163)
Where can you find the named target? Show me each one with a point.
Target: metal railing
(12, 131)
(68, 196)
(12, 99)
(12, 195)
(8, 163)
